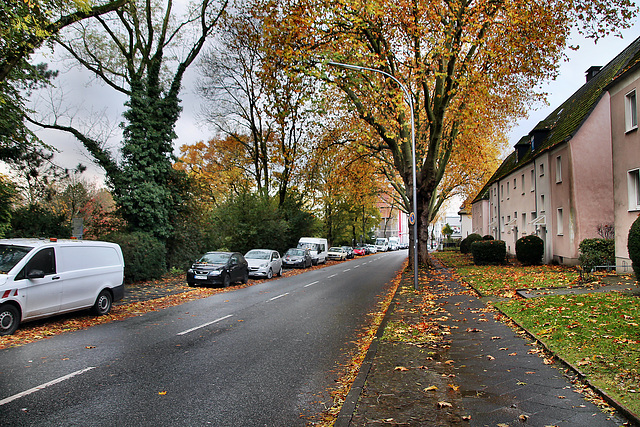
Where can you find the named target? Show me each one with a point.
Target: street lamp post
(408, 98)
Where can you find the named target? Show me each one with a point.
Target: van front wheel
(9, 319)
(103, 303)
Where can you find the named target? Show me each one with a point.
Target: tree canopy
(459, 59)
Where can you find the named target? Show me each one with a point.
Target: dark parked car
(349, 250)
(297, 257)
(218, 268)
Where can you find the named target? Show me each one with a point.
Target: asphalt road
(259, 356)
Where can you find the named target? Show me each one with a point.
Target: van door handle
(55, 278)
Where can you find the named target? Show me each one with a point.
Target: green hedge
(489, 252)
(465, 244)
(529, 250)
(633, 245)
(145, 257)
(595, 252)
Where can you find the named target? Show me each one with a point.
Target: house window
(631, 111)
(560, 225)
(558, 169)
(507, 190)
(533, 180)
(633, 182)
(524, 221)
(502, 192)
(522, 184)
(542, 203)
(541, 169)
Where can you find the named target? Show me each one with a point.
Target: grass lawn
(599, 333)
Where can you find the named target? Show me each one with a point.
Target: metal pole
(413, 155)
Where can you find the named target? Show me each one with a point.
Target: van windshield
(310, 246)
(10, 255)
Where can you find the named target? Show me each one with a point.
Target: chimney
(592, 72)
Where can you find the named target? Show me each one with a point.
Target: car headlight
(265, 265)
(214, 273)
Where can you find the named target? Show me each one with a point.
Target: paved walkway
(481, 373)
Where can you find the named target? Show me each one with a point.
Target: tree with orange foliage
(456, 57)
(343, 180)
(217, 168)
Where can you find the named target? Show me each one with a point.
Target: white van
(317, 246)
(40, 278)
(394, 243)
(382, 244)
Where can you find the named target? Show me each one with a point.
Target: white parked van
(394, 243)
(40, 278)
(382, 244)
(317, 246)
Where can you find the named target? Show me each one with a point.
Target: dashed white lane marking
(43, 386)
(333, 275)
(348, 269)
(205, 325)
(311, 284)
(279, 296)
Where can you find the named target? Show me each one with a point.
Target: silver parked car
(337, 253)
(264, 263)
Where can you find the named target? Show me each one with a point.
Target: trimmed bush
(144, 255)
(529, 250)
(633, 245)
(595, 252)
(489, 252)
(487, 237)
(465, 244)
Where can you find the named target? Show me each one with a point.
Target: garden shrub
(38, 221)
(529, 249)
(465, 244)
(144, 255)
(595, 252)
(633, 245)
(489, 252)
(487, 237)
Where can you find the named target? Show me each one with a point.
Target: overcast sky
(95, 99)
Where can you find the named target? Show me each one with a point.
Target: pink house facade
(626, 158)
(559, 181)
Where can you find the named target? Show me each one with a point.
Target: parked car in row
(372, 249)
(297, 257)
(218, 268)
(337, 253)
(349, 250)
(264, 263)
(359, 250)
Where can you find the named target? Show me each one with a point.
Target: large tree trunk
(422, 222)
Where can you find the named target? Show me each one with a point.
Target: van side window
(44, 260)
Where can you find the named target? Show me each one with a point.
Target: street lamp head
(349, 66)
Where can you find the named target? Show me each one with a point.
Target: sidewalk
(463, 367)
